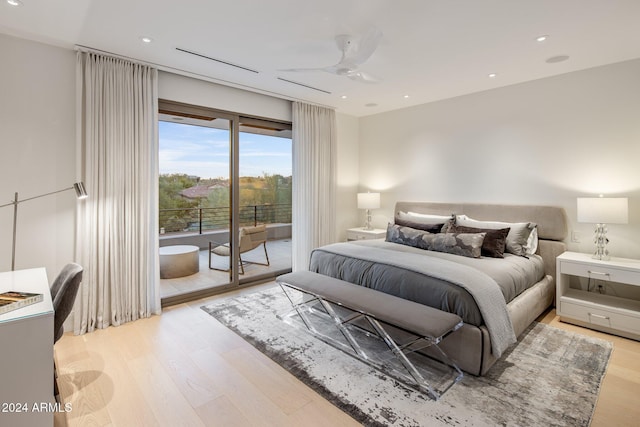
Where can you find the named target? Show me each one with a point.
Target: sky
(204, 152)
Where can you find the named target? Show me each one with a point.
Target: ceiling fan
(355, 51)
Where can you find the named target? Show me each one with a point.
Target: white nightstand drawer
(362, 234)
(357, 236)
(600, 272)
(601, 317)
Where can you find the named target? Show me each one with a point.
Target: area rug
(551, 377)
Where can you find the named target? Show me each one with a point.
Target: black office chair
(63, 293)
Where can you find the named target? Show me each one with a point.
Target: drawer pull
(598, 273)
(599, 316)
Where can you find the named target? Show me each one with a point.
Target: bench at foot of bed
(404, 326)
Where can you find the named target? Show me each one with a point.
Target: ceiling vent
(304, 85)
(220, 61)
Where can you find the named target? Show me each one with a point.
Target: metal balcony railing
(199, 220)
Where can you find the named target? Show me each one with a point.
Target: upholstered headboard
(551, 221)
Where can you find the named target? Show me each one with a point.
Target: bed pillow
(517, 239)
(429, 217)
(408, 236)
(422, 221)
(532, 241)
(494, 241)
(464, 244)
(431, 228)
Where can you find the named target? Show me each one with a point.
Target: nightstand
(360, 233)
(590, 308)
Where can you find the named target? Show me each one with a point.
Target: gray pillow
(431, 228)
(517, 239)
(408, 236)
(464, 244)
(494, 242)
(418, 218)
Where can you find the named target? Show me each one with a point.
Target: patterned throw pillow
(494, 243)
(409, 236)
(464, 244)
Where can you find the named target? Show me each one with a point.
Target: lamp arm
(15, 202)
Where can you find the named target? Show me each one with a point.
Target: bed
(498, 298)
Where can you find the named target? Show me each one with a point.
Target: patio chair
(250, 239)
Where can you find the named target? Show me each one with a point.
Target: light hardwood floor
(183, 368)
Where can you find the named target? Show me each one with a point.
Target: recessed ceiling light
(542, 38)
(493, 75)
(344, 97)
(406, 96)
(558, 58)
(14, 2)
(146, 39)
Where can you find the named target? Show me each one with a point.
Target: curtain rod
(178, 71)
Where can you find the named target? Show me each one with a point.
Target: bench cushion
(412, 316)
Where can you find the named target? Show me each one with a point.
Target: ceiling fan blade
(360, 76)
(367, 45)
(354, 53)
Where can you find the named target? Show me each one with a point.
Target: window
(200, 159)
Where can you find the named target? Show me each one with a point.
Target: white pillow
(532, 241)
(517, 241)
(425, 218)
(429, 216)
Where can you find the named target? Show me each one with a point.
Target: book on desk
(14, 300)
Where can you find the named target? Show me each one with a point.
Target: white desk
(26, 353)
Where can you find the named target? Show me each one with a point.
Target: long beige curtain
(314, 181)
(117, 241)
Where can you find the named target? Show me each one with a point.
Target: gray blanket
(358, 261)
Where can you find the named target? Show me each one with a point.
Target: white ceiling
(430, 49)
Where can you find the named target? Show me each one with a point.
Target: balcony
(199, 226)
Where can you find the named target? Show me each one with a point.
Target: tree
(169, 188)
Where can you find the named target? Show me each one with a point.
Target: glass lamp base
(367, 225)
(601, 240)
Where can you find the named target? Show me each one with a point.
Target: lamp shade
(368, 200)
(603, 210)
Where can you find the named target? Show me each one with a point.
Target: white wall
(179, 88)
(37, 153)
(542, 142)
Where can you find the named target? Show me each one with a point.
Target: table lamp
(81, 193)
(602, 211)
(368, 201)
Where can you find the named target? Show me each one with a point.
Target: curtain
(117, 243)
(314, 181)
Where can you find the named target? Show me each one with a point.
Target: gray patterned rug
(550, 377)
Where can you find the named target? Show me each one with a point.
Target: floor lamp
(81, 193)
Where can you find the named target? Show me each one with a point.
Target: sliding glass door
(265, 195)
(225, 189)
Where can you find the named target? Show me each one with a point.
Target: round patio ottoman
(179, 261)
